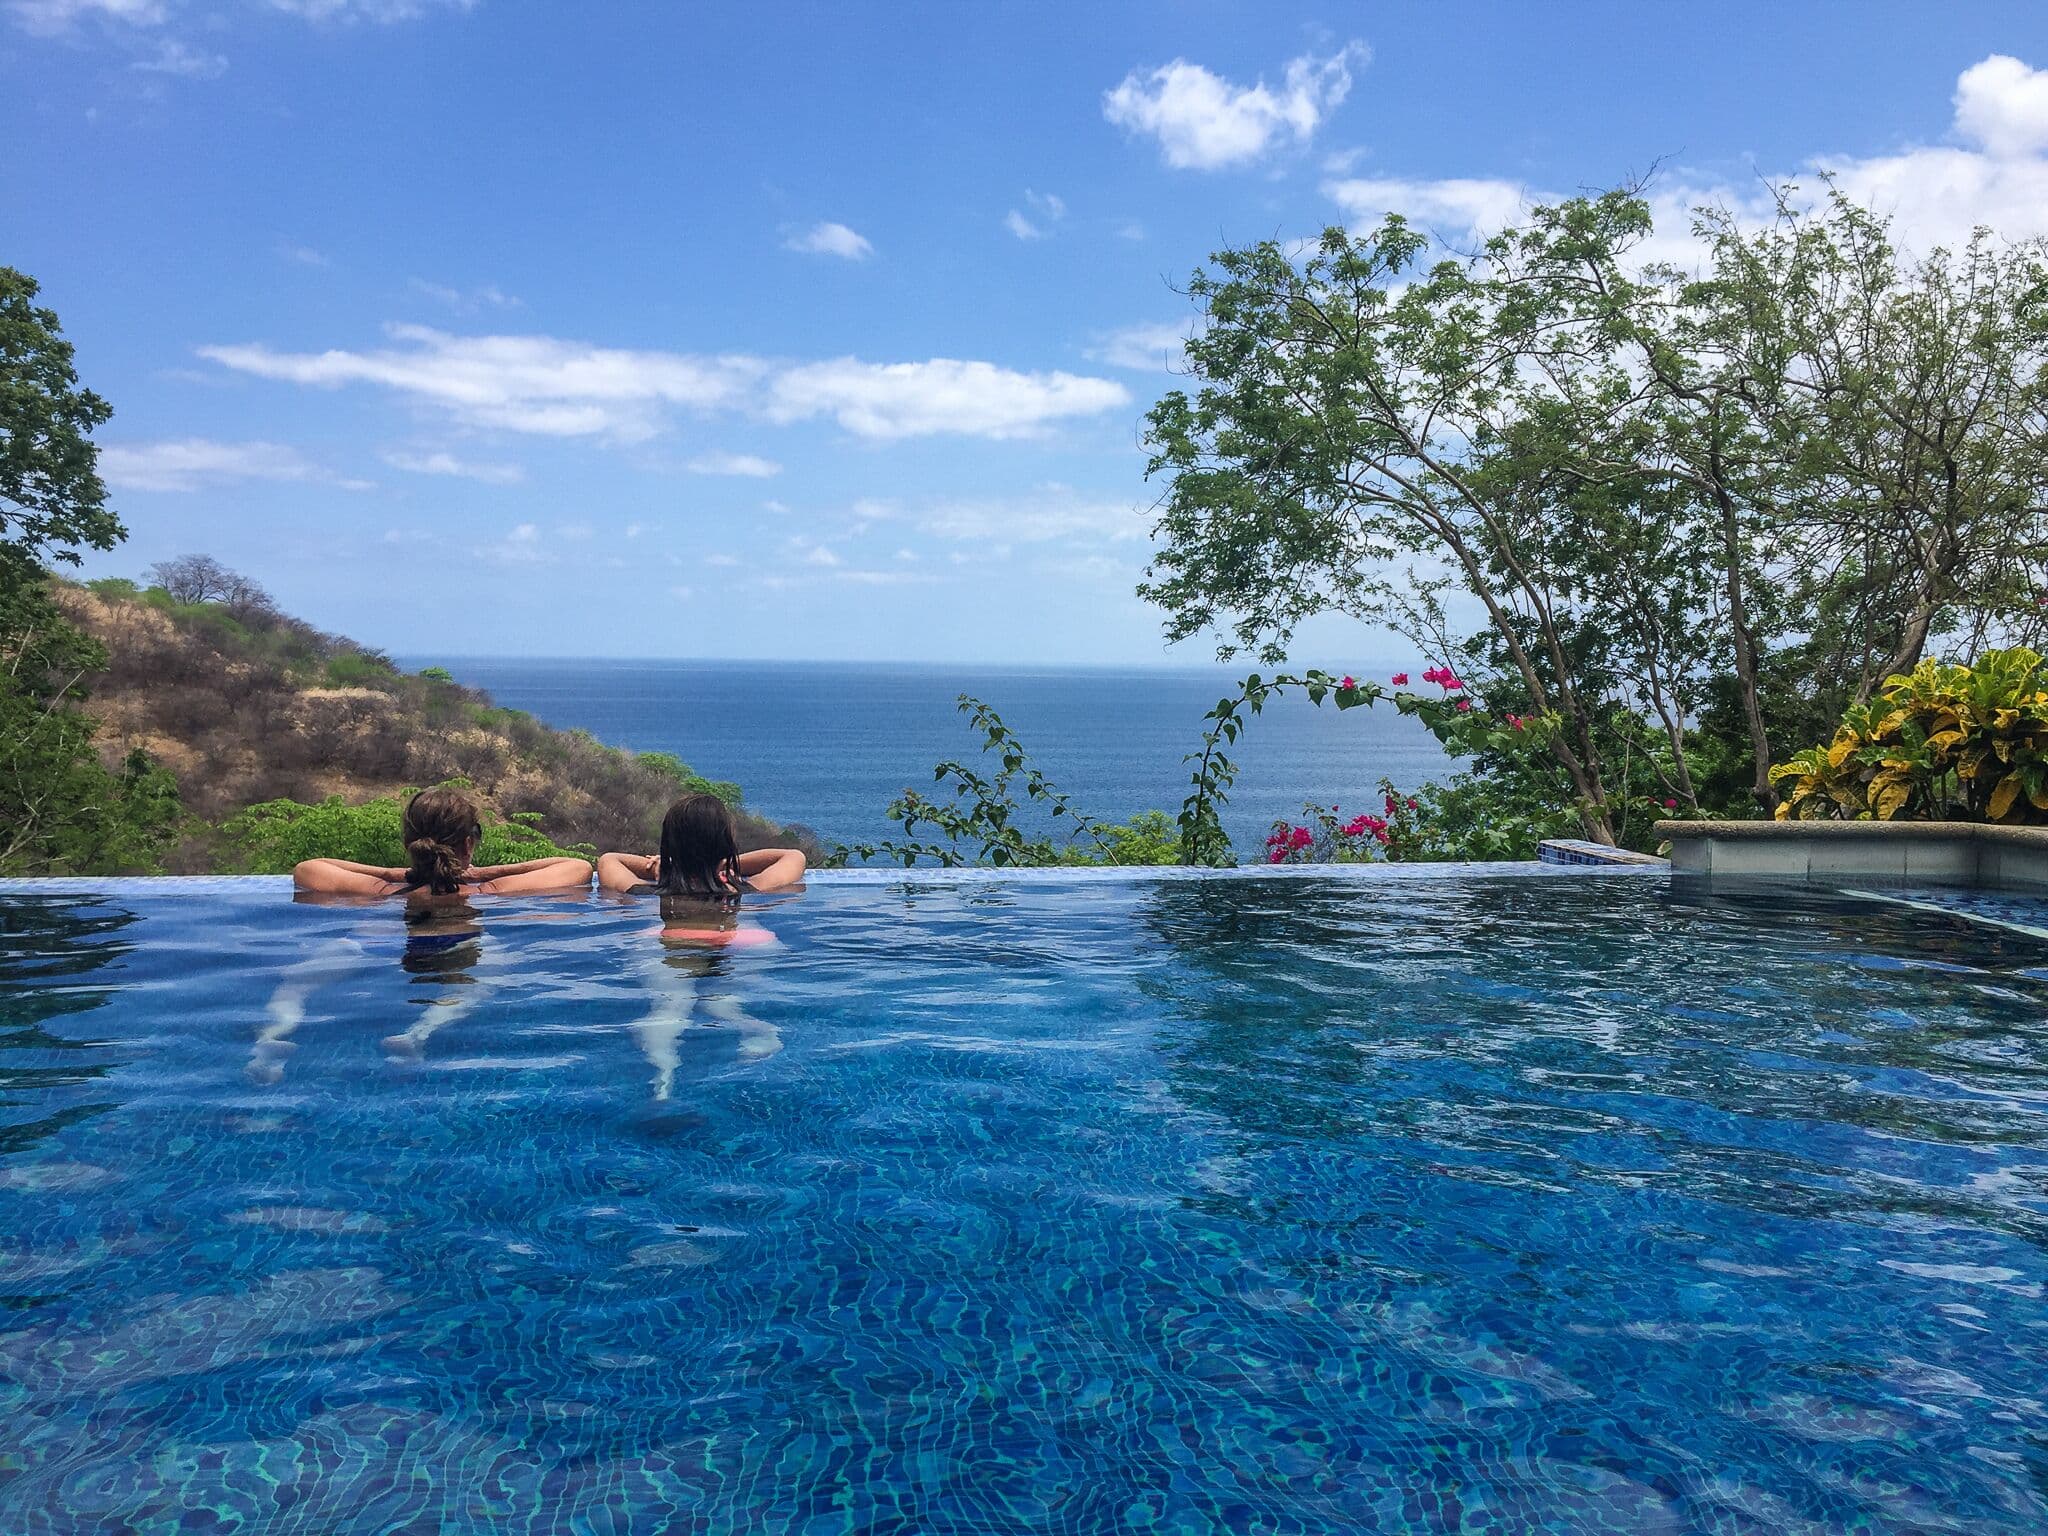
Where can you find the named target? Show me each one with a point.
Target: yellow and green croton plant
(1940, 743)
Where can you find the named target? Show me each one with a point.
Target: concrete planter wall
(1829, 852)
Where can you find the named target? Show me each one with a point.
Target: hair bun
(435, 865)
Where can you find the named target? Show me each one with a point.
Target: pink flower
(1435, 675)
(1348, 682)
(1301, 837)
(1277, 856)
(1355, 828)
(1464, 706)
(1381, 834)
(1400, 679)
(1390, 805)
(1451, 680)
(1670, 805)
(1414, 804)
(1516, 722)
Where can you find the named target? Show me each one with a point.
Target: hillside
(245, 704)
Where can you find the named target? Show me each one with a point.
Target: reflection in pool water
(1299, 1205)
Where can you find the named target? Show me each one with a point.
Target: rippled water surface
(1487, 1204)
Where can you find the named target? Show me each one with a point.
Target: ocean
(830, 744)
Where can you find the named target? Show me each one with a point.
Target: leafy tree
(61, 810)
(51, 498)
(203, 579)
(1676, 514)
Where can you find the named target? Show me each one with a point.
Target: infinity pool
(1398, 1201)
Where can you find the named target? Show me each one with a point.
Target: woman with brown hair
(442, 830)
(700, 858)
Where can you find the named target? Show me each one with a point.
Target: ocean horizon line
(1037, 669)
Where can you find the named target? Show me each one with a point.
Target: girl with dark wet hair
(700, 859)
(442, 830)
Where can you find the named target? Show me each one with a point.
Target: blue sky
(824, 330)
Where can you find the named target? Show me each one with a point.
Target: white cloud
(883, 578)
(784, 581)
(1049, 209)
(1150, 347)
(175, 58)
(304, 255)
(2003, 105)
(831, 240)
(532, 384)
(896, 400)
(1046, 514)
(380, 12)
(46, 18)
(1103, 569)
(724, 562)
(465, 301)
(522, 546)
(818, 554)
(1052, 512)
(1455, 209)
(49, 18)
(188, 463)
(1934, 194)
(549, 387)
(749, 465)
(1204, 122)
(447, 464)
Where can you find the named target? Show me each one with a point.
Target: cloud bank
(548, 387)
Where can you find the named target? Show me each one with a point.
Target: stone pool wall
(1828, 852)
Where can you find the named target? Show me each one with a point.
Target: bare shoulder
(332, 877)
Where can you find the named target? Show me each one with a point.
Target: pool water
(1386, 1202)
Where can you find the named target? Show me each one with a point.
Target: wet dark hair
(442, 829)
(700, 850)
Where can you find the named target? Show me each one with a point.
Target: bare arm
(503, 871)
(535, 875)
(773, 869)
(625, 871)
(340, 877)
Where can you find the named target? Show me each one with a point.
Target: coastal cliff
(247, 706)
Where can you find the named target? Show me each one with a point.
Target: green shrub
(1150, 837)
(268, 839)
(114, 589)
(688, 780)
(437, 675)
(359, 669)
(1941, 743)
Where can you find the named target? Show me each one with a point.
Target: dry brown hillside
(245, 704)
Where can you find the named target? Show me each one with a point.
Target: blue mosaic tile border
(243, 885)
(1572, 851)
